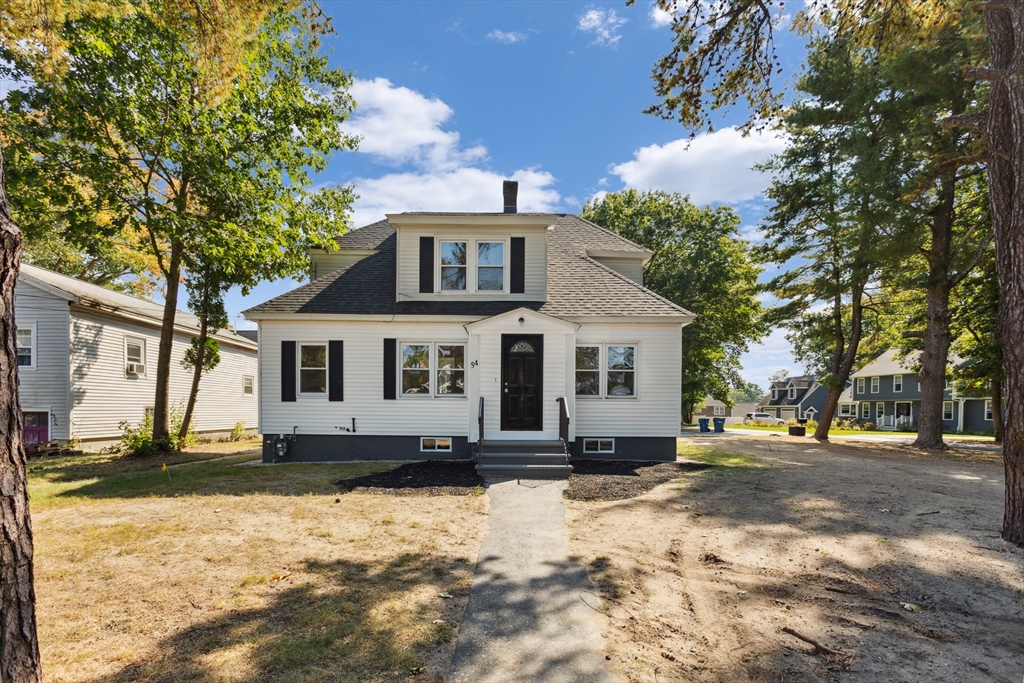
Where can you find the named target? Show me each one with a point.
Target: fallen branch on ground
(817, 646)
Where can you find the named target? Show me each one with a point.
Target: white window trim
(876, 385)
(433, 370)
(988, 410)
(719, 411)
(792, 392)
(896, 390)
(598, 449)
(252, 385)
(327, 370)
(603, 370)
(435, 440)
(775, 394)
(145, 353)
(879, 409)
(949, 412)
(865, 410)
(849, 408)
(860, 385)
(31, 327)
(471, 265)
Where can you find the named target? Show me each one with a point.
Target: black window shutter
(426, 265)
(517, 279)
(287, 371)
(390, 367)
(336, 368)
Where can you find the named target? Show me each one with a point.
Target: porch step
(516, 458)
(521, 471)
(508, 446)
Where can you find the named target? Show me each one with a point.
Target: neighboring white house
(87, 362)
(413, 320)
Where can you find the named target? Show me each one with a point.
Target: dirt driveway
(888, 558)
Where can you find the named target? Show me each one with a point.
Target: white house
(418, 323)
(87, 362)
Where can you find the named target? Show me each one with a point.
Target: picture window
(429, 369)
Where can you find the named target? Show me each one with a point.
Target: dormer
(473, 256)
(628, 263)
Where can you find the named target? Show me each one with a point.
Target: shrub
(869, 426)
(238, 433)
(139, 442)
(811, 424)
(792, 422)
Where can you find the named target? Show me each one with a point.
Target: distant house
(886, 392)
(87, 362)
(794, 398)
(715, 408)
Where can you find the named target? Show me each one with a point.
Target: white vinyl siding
(364, 382)
(655, 410)
(44, 387)
(323, 263)
(536, 259)
(103, 395)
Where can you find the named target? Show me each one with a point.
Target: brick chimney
(510, 190)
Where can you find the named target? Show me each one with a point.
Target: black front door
(522, 363)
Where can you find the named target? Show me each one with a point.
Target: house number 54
(473, 364)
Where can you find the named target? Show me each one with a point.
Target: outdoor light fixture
(522, 320)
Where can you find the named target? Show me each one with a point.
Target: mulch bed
(427, 478)
(622, 479)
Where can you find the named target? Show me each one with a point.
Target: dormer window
(775, 393)
(472, 265)
(792, 392)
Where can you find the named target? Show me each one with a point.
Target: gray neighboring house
(87, 363)
(886, 392)
(428, 334)
(794, 398)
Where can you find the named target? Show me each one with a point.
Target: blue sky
(454, 97)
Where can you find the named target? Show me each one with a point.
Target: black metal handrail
(563, 423)
(480, 433)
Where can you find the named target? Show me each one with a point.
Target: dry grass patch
(234, 573)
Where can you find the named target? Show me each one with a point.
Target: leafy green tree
(832, 188)
(31, 29)
(206, 178)
(700, 263)
(746, 392)
(206, 299)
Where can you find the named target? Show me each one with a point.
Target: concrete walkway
(525, 620)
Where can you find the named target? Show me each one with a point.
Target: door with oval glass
(522, 366)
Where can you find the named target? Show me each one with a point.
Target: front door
(36, 429)
(522, 364)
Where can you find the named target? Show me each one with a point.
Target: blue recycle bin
(719, 425)
(703, 422)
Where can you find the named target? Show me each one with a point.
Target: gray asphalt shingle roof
(577, 284)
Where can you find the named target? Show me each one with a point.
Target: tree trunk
(932, 376)
(197, 373)
(843, 355)
(19, 645)
(1004, 134)
(161, 402)
(997, 409)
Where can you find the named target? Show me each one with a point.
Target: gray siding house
(886, 392)
(795, 398)
(86, 362)
(517, 339)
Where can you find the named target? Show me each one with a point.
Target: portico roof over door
(485, 370)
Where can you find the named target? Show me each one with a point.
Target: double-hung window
(26, 347)
(988, 409)
(775, 393)
(719, 410)
(879, 410)
(947, 410)
(135, 356)
(473, 265)
(860, 385)
(792, 392)
(607, 370)
(432, 369)
(874, 385)
(865, 411)
(313, 368)
(247, 385)
(897, 383)
(845, 410)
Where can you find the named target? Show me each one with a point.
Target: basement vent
(598, 445)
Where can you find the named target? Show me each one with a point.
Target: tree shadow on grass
(352, 622)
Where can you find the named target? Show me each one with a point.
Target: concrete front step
(524, 471)
(523, 458)
(528, 447)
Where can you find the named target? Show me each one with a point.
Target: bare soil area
(213, 572)
(886, 558)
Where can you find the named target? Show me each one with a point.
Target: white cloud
(713, 167)
(659, 17)
(774, 353)
(604, 24)
(507, 37)
(400, 125)
(462, 189)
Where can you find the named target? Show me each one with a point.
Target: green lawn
(858, 432)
